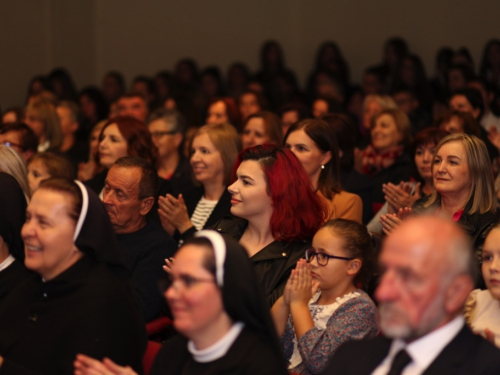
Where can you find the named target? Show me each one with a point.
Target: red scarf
(373, 161)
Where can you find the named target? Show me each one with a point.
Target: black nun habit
(88, 308)
(256, 349)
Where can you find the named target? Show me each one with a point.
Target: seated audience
(121, 136)
(93, 108)
(322, 306)
(11, 163)
(223, 110)
(78, 299)
(250, 103)
(372, 106)
(316, 147)
(386, 159)
(46, 165)
(427, 275)
(12, 216)
(91, 167)
(454, 121)
(463, 188)
(42, 118)
(132, 104)
(260, 128)
(11, 115)
(270, 187)
(167, 129)
(74, 149)
(213, 151)
(113, 86)
(290, 114)
(227, 329)
(352, 181)
(482, 310)
(130, 191)
(21, 138)
(404, 194)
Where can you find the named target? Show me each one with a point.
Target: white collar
(44, 146)
(426, 349)
(218, 349)
(7, 262)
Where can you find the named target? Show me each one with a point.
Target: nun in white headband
(218, 309)
(77, 300)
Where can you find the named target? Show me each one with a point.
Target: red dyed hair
(137, 136)
(298, 212)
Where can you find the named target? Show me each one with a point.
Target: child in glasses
(322, 306)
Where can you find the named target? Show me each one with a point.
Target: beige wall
(90, 37)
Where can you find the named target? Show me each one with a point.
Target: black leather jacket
(273, 264)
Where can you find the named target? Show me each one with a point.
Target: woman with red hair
(276, 213)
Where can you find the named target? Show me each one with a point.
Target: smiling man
(130, 190)
(427, 274)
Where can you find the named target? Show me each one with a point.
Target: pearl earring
(322, 166)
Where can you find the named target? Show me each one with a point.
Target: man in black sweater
(130, 190)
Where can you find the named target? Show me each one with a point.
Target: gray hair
(174, 119)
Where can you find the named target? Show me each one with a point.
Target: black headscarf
(12, 214)
(94, 234)
(241, 293)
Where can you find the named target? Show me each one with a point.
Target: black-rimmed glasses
(186, 282)
(322, 258)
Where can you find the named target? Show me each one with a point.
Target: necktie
(399, 363)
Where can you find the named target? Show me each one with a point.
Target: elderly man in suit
(427, 273)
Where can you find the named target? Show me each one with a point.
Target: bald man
(427, 273)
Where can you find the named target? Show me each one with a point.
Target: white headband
(85, 208)
(219, 252)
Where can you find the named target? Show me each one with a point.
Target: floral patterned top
(351, 317)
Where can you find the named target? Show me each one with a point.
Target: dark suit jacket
(466, 354)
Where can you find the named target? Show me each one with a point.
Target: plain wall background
(90, 37)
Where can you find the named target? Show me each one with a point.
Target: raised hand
(85, 365)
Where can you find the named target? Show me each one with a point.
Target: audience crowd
(254, 226)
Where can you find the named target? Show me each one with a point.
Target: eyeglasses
(183, 281)
(322, 258)
(161, 134)
(11, 144)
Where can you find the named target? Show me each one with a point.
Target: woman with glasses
(219, 311)
(322, 306)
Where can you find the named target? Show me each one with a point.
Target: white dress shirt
(422, 351)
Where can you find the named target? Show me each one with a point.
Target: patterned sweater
(353, 317)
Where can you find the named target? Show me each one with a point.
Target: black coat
(249, 354)
(192, 198)
(96, 184)
(10, 277)
(466, 354)
(86, 309)
(273, 264)
(398, 171)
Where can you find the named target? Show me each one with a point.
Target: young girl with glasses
(323, 306)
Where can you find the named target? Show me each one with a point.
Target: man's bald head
(427, 266)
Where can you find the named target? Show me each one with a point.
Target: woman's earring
(322, 166)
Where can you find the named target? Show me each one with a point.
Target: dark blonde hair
(402, 124)
(47, 114)
(226, 140)
(482, 190)
(57, 165)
